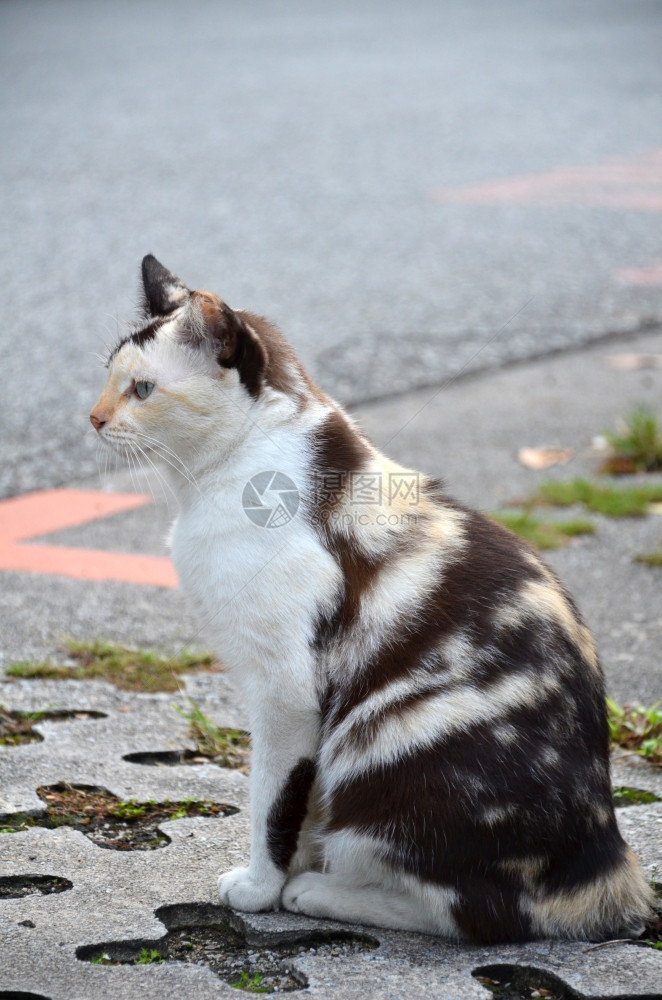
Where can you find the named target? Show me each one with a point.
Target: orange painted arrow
(26, 517)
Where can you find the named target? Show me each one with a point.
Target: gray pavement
(285, 155)
(469, 432)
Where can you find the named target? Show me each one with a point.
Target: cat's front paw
(241, 891)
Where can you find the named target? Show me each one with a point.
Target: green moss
(624, 796)
(612, 501)
(40, 669)
(108, 821)
(650, 558)
(126, 668)
(131, 809)
(148, 956)
(543, 534)
(250, 983)
(16, 823)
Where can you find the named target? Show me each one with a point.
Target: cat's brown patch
(488, 910)
(338, 454)
(210, 305)
(359, 572)
(283, 370)
(288, 812)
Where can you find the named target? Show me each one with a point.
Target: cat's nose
(97, 423)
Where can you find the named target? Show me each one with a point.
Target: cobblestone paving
(74, 918)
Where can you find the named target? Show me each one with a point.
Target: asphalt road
(305, 159)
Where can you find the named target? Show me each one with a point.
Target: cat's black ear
(233, 342)
(164, 291)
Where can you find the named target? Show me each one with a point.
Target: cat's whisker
(97, 459)
(162, 480)
(183, 470)
(176, 468)
(155, 441)
(158, 448)
(129, 463)
(191, 480)
(180, 468)
(106, 460)
(152, 440)
(138, 458)
(102, 457)
(133, 469)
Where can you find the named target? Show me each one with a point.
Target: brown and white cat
(427, 711)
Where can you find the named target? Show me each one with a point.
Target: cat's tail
(614, 904)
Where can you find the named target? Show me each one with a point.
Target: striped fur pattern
(430, 745)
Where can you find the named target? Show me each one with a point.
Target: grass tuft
(650, 558)
(612, 501)
(228, 747)
(126, 668)
(543, 534)
(637, 729)
(638, 448)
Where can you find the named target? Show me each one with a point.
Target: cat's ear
(164, 291)
(229, 338)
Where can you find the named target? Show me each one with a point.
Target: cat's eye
(143, 389)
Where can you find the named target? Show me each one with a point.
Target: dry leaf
(632, 362)
(654, 508)
(544, 458)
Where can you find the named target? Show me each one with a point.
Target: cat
(429, 737)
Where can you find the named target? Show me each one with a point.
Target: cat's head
(192, 368)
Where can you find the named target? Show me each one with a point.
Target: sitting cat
(430, 747)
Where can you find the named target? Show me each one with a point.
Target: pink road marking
(26, 517)
(630, 184)
(651, 275)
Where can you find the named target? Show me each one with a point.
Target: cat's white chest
(257, 590)
(217, 561)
